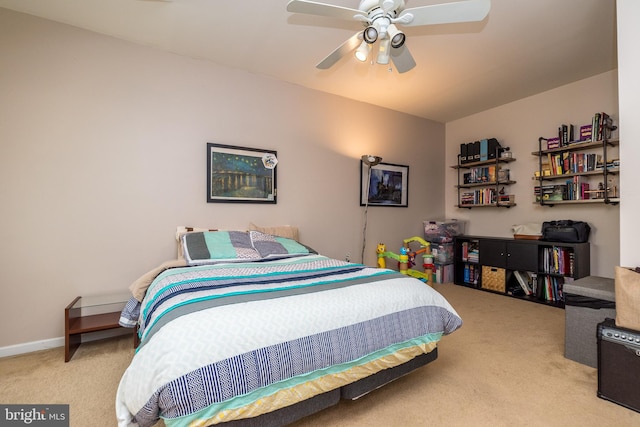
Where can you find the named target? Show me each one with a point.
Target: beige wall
(518, 125)
(102, 155)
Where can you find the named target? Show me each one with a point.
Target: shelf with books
(484, 183)
(584, 171)
(559, 263)
(533, 270)
(466, 262)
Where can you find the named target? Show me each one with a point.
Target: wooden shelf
(76, 323)
(487, 205)
(485, 184)
(484, 163)
(574, 185)
(96, 322)
(578, 146)
(610, 171)
(610, 200)
(491, 172)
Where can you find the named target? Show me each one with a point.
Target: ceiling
(522, 48)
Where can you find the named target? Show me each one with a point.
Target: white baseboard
(28, 347)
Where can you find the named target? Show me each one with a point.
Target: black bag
(565, 231)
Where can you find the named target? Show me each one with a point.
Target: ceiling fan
(381, 19)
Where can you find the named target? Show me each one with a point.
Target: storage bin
(444, 273)
(588, 301)
(442, 252)
(442, 231)
(493, 278)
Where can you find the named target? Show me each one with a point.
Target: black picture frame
(386, 185)
(241, 174)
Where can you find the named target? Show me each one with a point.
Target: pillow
(270, 246)
(181, 230)
(140, 286)
(287, 231)
(208, 247)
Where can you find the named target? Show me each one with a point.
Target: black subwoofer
(619, 365)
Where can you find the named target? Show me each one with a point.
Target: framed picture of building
(384, 184)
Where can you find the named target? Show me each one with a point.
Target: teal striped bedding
(217, 339)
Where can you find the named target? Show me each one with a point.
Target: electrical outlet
(347, 257)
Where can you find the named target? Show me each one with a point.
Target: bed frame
(353, 391)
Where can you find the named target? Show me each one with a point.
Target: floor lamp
(370, 161)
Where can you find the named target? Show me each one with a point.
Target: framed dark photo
(386, 185)
(240, 174)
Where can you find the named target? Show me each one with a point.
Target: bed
(252, 329)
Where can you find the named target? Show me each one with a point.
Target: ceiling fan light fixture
(397, 37)
(362, 52)
(370, 34)
(379, 19)
(383, 52)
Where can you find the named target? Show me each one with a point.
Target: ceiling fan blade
(345, 48)
(402, 59)
(322, 9)
(445, 13)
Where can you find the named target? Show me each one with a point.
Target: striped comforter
(229, 341)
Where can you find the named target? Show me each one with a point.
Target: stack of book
(558, 260)
(577, 189)
(600, 128)
(479, 151)
(479, 175)
(550, 288)
(470, 252)
(550, 192)
(485, 196)
(471, 273)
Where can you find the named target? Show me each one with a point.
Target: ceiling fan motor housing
(379, 18)
(368, 5)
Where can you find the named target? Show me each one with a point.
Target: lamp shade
(362, 52)
(371, 160)
(397, 37)
(370, 34)
(383, 52)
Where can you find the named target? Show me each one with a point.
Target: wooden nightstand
(91, 314)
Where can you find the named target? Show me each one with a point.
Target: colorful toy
(406, 259)
(381, 250)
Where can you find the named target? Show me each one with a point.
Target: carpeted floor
(504, 367)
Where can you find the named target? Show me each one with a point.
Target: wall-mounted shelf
(487, 179)
(578, 172)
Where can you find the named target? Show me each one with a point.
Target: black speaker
(619, 365)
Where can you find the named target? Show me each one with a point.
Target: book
(476, 151)
(524, 282)
(563, 134)
(553, 143)
(491, 174)
(595, 127)
(494, 148)
(572, 136)
(585, 133)
(484, 150)
(559, 192)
